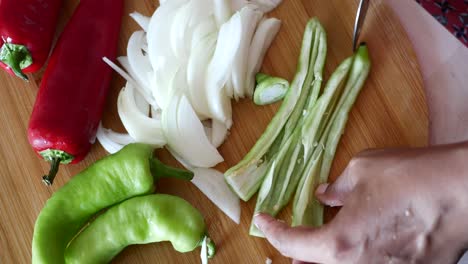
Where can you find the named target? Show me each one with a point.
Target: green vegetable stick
(313, 81)
(358, 76)
(310, 93)
(314, 125)
(306, 209)
(240, 177)
(287, 176)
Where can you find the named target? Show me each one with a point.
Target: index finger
(300, 243)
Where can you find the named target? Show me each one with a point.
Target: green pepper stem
(210, 245)
(160, 170)
(49, 179)
(17, 57)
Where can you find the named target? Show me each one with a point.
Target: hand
(399, 206)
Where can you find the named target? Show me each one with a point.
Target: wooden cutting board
(390, 112)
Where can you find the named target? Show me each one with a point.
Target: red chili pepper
(73, 91)
(27, 30)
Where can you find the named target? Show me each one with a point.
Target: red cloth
(453, 14)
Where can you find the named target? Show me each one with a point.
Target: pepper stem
(17, 57)
(161, 170)
(54, 166)
(55, 157)
(210, 245)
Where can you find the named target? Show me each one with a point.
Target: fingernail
(322, 188)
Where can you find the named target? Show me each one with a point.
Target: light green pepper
(246, 177)
(128, 173)
(269, 89)
(140, 220)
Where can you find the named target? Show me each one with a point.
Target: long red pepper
(73, 91)
(27, 30)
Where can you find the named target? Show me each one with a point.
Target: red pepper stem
(54, 166)
(17, 57)
(55, 157)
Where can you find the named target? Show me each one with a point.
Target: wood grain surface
(390, 112)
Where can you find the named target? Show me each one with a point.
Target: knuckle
(357, 165)
(339, 246)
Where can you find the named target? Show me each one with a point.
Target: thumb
(300, 243)
(335, 194)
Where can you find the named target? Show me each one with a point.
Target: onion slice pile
(190, 58)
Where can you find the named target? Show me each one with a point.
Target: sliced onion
(156, 113)
(161, 83)
(162, 58)
(219, 70)
(140, 100)
(202, 30)
(204, 252)
(196, 74)
(203, 10)
(209, 133)
(139, 62)
(249, 19)
(140, 127)
(160, 51)
(222, 11)
(179, 159)
(266, 5)
(120, 138)
(185, 134)
(187, 18)
(237, 5)
(189, 124)
(179, 82)
(123, 60)
(145, 47)
(219, 133)
(229, 88)
(107, 143)
(266, 33)
(211, 183)
(120, 71)
(142, 20)
(178, 37)
(129, 80)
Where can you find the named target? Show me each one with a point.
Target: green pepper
(140, 220)
(113, 179)
(269, 89)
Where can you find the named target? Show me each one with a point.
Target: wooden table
(390, 111)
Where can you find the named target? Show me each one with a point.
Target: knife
(360, 17)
